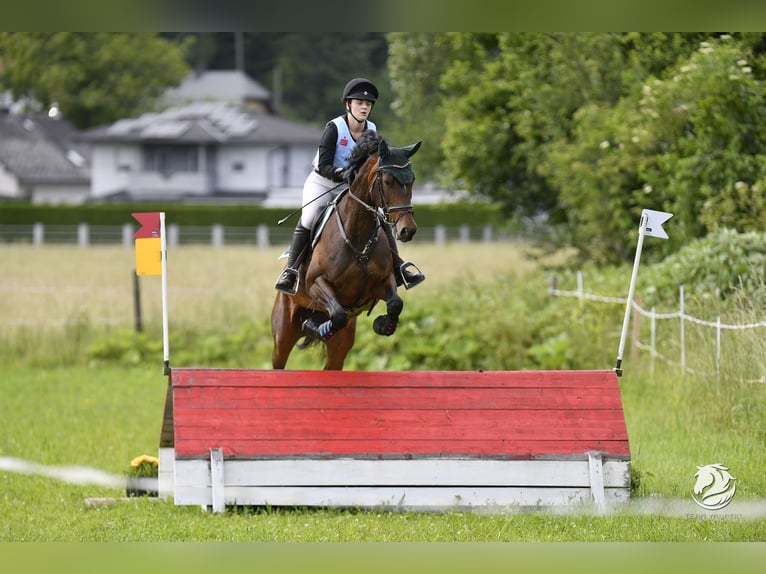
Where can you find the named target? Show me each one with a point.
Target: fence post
(38, 234)
(683, 338)
(262, 235)
(83, 235)
(173, 235)
(465, 234)
(440, 235)
(634, 336)
(486, 234)
(127, 235)
(137, 303)
(217, 235)
(653, 339)
(718, 346)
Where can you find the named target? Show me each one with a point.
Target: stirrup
(282, 284)
(415, 278)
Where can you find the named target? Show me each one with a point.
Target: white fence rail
(653, 317)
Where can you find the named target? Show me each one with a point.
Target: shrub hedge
(472, 214)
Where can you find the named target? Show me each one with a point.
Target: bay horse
(350, 267)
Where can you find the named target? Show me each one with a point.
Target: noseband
(388, 210)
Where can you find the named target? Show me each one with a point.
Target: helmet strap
(348, 109)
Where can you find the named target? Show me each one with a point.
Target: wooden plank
(453, 398)
(405, 498)
(216, 480)
(373, 424)
(597, 479)
(165, 475)
(444, 472)
(167, 433)
(529, 379)
(501, 449)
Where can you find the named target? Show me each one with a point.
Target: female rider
(330, 162)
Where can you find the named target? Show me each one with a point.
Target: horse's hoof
(383, 325)
(321, 331)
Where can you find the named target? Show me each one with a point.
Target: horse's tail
(307, 342)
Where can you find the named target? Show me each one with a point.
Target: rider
(331, 160)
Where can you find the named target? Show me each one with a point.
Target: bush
(714, 272)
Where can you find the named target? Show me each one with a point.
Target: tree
(688, 142)
(94, 77)
(586, 129)
(416, 64)
(316, 66)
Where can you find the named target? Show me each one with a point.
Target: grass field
(59, 408)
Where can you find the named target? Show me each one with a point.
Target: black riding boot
(404, 276)
(288, 280)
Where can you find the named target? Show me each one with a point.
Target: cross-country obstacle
(416, 440)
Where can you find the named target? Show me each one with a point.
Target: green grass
(92, 395)
(103, 417)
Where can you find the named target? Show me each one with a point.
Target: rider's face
(361, 108)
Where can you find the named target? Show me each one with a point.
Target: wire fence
(653, 316)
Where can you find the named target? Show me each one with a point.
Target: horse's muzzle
(406, 231)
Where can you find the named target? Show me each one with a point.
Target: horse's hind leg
(339, 345)
(285, 330)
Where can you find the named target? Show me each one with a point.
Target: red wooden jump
(490, 414)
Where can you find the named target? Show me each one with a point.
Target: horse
(350, 267)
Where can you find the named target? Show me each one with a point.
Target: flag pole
(629, 302)
(164, 257)
(650, 224)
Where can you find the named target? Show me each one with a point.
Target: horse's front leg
(386, 324)
(339, 345)
(323, 293)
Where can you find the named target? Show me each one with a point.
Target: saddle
(319, 225)
(324, 217)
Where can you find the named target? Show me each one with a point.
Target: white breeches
(314, 186)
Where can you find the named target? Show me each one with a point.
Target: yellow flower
(139, 460)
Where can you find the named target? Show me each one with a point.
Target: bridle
(383, 210)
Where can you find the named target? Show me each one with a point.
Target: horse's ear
(383, 150)
(410, 150)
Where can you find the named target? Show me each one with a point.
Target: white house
(40, 160)
(202, 151)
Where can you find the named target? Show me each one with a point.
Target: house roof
(206, 122)
(37, 148)
(233, 86)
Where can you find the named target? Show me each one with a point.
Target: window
(169, 159)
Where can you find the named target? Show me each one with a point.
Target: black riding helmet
(360, 89)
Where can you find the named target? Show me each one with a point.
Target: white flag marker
(650, 224)
(654, 221)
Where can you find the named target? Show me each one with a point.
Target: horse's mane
(366, 146)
